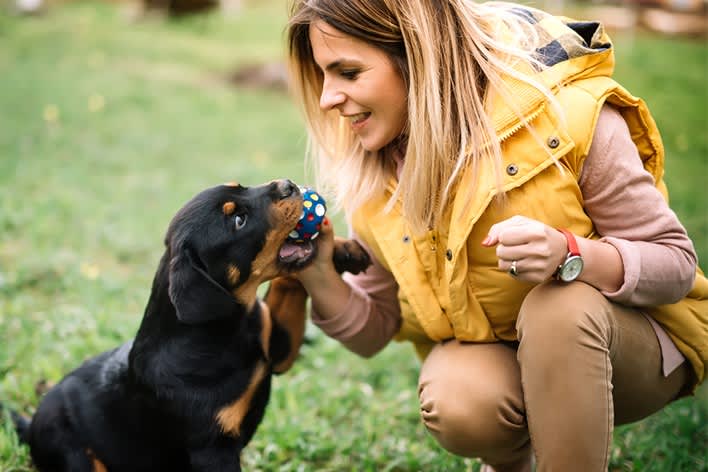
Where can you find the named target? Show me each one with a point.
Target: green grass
(108, 126)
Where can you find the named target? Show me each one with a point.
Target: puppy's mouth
(294, 256)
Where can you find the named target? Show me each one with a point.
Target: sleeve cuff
(346, 323)
(631, 260)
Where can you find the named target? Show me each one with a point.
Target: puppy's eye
(240, 221)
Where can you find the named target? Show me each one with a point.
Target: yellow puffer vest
(450, 286)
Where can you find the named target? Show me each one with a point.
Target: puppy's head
(225, 242)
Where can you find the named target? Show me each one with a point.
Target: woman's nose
(330, 97)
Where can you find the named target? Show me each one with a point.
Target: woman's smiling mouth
(358, 120)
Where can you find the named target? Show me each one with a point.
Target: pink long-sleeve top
(621, 199)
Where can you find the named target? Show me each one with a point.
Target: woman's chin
(372, 145)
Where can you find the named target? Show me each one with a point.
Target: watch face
(571, 269)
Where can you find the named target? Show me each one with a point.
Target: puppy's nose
(287, 188)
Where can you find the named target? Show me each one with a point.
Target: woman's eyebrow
(344, 62)
(333, 65)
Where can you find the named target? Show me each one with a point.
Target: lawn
(108, 125)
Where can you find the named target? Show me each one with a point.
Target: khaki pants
(583, 364)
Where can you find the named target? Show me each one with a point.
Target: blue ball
(313, 213)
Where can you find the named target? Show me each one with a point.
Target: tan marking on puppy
(286, 298)
(230, 417)
(266, 329)
(229, 208)
(283, 216)
(97, 465)
(231, 184)
(233, 275)
(263, 268)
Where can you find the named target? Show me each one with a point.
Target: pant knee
(557, 314)
(491, 429)
(475, 418)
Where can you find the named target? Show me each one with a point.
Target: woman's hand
(322, 266)
(535, 249)
(328, 292)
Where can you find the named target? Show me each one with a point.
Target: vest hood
(571, 50)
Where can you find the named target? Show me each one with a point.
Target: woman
(511, 195)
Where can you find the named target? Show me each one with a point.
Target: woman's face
(362, 83)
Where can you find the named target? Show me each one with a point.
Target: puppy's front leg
(286, 298)
(350, 256)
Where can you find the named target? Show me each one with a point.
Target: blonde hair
(452, 55)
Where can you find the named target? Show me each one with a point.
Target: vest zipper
(521, 123)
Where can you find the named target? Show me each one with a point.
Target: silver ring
(512, 270)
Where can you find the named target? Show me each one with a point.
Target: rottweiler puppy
(188, 392)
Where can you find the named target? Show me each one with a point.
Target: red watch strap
(572, 243)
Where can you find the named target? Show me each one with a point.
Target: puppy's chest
(248, 395)
(231, 416)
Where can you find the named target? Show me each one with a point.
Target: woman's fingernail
(485, 241)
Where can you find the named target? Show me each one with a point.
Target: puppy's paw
(350, 256)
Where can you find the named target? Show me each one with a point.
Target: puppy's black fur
(188, 393)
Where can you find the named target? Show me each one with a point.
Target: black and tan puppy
(188, 393)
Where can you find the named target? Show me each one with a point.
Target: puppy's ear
(196, 296)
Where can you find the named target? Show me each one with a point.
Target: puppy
(188, 393)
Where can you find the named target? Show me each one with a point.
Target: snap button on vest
(553, 142)
(448, 255)
(512, 169)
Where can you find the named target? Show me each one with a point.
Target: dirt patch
(269, 76)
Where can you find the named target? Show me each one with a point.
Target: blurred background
(113, 114)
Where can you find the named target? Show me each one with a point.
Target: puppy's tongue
(291, 251)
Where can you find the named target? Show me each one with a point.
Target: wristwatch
(572, 266)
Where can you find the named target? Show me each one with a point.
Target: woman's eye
(240, 221)
(350, 74)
